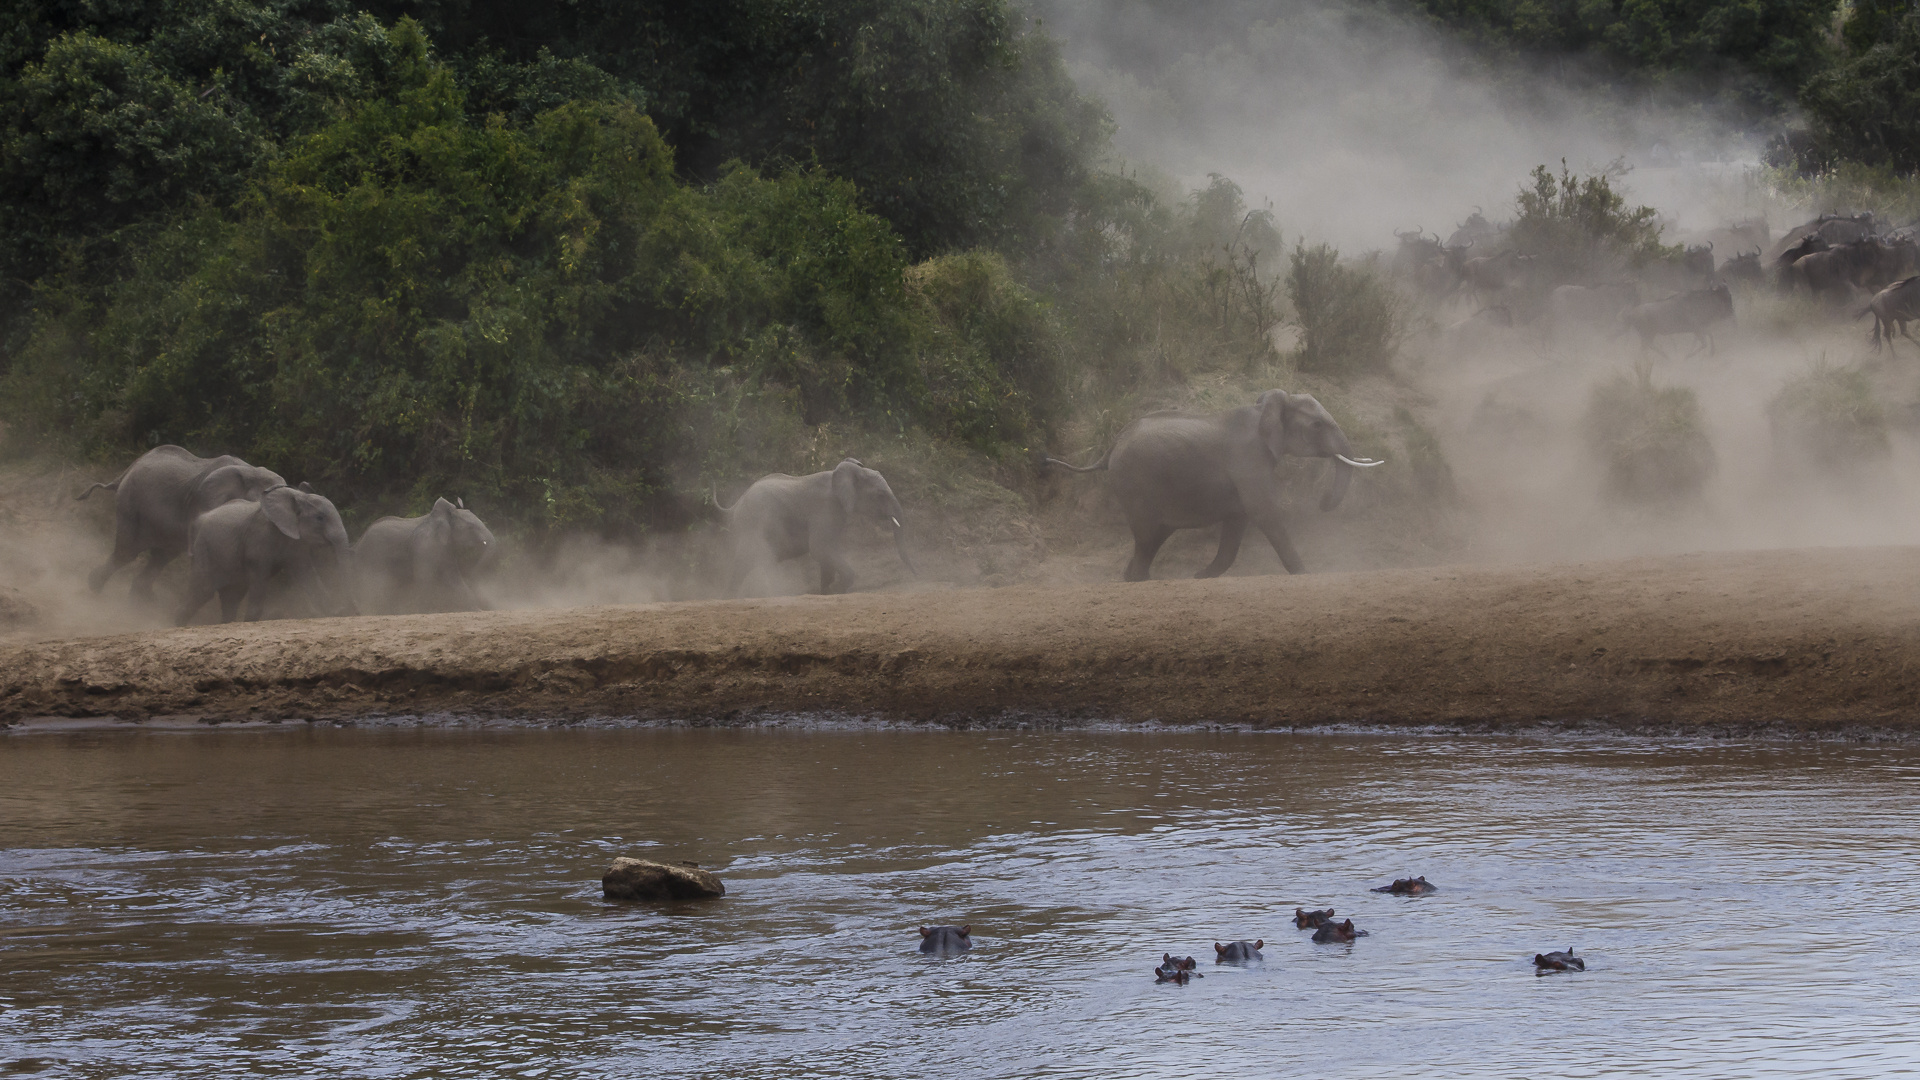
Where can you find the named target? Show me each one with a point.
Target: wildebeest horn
(1363, 463)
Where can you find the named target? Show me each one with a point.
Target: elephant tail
(713, 496)
(1098, 466)
(114, 487)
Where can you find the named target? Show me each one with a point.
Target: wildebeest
(1489, 276)
(1693, 312)
(1868, 263)
(1595, 305)
(1743, 269)
(1434, 267)
(1896, 305)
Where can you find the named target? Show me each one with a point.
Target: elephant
(239, 546)
(946, 940)
(1238, 951)
(785, 517)
(1175, 470)
(424, 563)
(157, 500)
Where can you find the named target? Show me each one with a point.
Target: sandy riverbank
(1821, 640)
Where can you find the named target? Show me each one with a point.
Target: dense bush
(1651, 441)
(1351, 320)
(1867, 108)
(411, 300)
(1829, 419)
(1579, 228)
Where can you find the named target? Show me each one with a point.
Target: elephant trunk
(900, 545)
(1342, 475)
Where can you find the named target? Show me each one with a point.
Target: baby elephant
(946, 940)
(1312, 920)
(1176, 971)
(1411, 886)
(424, 563)
(783, 517)
(238, 547)
(1237, 951)
(1337, 932)
(1557, 961)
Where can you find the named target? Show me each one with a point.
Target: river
(414, 902)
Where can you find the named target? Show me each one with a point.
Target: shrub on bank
(1829, 419)
(1651, 441)
(1351, 320)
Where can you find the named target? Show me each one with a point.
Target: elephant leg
(199, 590)
(256, 596)
(1146, 544)
(1231, 530)
(97, 579)
(157, 560)
(836, 574)
(230, 598)
(1276, 534)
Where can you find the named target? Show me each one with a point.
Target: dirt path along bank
(1805, 641)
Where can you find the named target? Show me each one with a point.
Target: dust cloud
(1349, 125)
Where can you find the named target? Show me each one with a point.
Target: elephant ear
(1273, 423)
(846, 480)
(442, 509)
(282, 510)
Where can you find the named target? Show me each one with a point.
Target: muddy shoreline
(1820, 642)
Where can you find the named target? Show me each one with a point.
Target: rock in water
(641, 879)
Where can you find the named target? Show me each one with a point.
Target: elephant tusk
(1363, 463)
(896, 522)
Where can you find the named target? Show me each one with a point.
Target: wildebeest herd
(1855, 260)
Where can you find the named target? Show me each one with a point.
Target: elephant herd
(243, 527)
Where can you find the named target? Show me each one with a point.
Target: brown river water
(415, 902)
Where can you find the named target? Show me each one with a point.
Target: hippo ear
(1219, 948)
(924, 932)
(967, 930)
(1259, 943)
(1166, 958)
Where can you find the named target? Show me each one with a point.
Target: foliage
(1651, 440)
(1351, 320)
(955, 120)
(1753, 54)
(1867, 107)
(413, 299)
(1579, 226)
(1830, 418)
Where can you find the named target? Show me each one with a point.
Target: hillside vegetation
(580, 263)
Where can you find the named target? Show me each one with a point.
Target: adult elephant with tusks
(1176, 470)
(424, 563)
(783, 517)
(240, 546)
(156, 501)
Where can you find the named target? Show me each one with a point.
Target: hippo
(1557, 961)
(1176, 971)
(1410, 886)
(1312, 920)
(946, 940)
(1238, 950)
(1337, 932)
